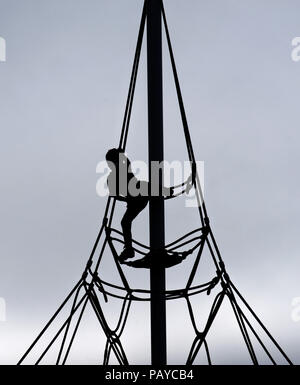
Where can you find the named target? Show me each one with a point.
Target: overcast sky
(63, 90)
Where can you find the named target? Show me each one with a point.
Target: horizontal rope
(176, 245)
(169, 294)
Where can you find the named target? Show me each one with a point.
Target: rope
(68, 326)
(129, 103)
(200, 337)
(196, 182)
(50, 322)
(261, 324)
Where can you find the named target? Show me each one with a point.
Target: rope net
(91, 287)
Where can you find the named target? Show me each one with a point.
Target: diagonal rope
(129, 103)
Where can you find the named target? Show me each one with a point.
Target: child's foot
(127, 253)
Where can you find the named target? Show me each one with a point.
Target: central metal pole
(156, 153)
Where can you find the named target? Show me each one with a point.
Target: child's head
(116, 157)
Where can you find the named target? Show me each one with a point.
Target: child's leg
(133, 209)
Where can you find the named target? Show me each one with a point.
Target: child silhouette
(124, 186)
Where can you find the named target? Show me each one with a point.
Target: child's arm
(187, 185)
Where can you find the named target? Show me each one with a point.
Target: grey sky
(63, 90)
